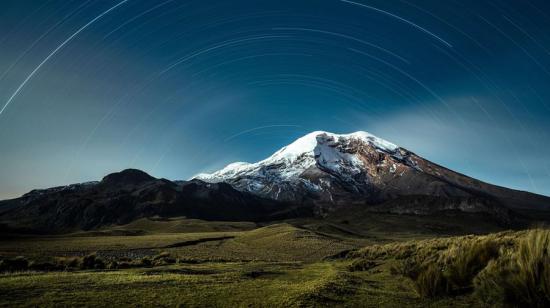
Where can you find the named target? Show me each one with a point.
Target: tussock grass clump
(443, 266)
(430, 281)
(462, 262)
(520, 277)
(502, 269)
(451, 271)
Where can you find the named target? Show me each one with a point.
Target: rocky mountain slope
(331, 171)
(122, 197)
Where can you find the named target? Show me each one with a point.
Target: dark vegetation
(87, 262)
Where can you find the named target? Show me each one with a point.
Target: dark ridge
(125, 196)
(128, 176)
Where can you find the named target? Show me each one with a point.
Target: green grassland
(340, 261)
(245, 284)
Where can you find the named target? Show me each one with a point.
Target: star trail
(176, 88)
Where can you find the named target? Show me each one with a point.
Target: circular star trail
(180, 87)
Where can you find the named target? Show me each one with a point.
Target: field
(300, 263)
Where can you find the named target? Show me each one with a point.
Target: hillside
(123, 197)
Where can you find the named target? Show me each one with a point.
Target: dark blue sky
(180, 87)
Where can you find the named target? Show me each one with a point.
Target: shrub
(14, 265)
(88, 262)
(146, 262)
(521, 277)
(44, 266)
(68, 262)
(99, 264)
(91, 261)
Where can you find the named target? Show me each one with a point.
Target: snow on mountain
(318, 147)
(329, 171)
(309, 164)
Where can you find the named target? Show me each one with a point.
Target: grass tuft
(521, 277)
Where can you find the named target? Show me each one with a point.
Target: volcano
(317, 175)
(337, 170)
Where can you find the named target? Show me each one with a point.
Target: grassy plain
(299, 263)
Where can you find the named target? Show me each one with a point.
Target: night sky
(180, 87)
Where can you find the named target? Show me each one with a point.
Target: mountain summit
(341, 169)
(319, 163)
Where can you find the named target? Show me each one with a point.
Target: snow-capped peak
(309, 142)
(318, 147)
(305, 144)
